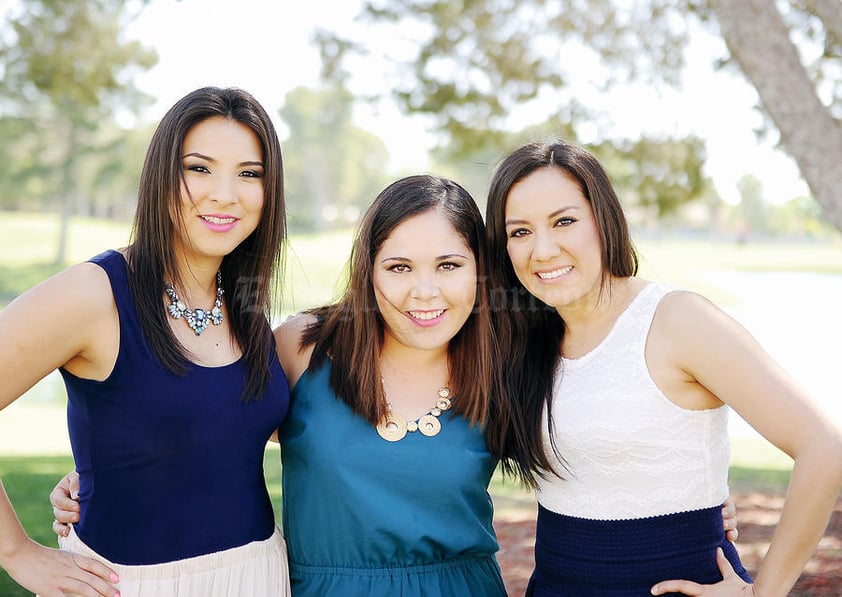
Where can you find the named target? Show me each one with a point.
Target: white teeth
(555, 273)
(215, 220)
(426, 315)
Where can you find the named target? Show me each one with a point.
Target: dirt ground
(757, 514)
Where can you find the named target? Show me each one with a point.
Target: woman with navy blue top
(624, 387)
(171, 370)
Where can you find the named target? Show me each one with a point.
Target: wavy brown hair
(350, 332)
(250, 272)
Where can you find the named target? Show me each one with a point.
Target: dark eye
(518, 232)
(565, 221)
(197, 168)
(449, 266)
(399, 268)
(252, 174)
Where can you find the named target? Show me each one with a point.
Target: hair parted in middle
(531, 336)
(249, 272)
(351, 331)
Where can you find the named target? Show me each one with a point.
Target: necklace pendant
(392, 428)
(429, 425)
(197, 319)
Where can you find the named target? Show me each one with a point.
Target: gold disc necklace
(393, 427)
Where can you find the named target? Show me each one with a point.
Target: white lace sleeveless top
(630, 451)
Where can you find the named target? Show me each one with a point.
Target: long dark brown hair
(530, 331)
(249, 273)
(350, 332)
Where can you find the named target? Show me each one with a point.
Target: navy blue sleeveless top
(170, 466)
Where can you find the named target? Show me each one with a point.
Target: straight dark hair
(350, 332)
(530, 330)
(249, 273)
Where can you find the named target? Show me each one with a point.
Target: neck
(196, 282)
(404, 362)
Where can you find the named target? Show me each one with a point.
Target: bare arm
(713, 352)
(63, 321)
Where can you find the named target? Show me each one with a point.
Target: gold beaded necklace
(393, 427)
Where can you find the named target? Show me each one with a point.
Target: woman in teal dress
(385, 461)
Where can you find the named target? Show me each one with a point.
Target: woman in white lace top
(624, 387)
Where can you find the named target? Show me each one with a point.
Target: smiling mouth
(425, 315)
(217, 220)
(556, 273)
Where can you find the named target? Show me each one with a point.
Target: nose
(545, 246)
(224, 191)
(426, 287)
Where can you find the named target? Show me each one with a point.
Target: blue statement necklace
(197, 319)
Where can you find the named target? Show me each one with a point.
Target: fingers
(61, 529)
(73, 478)
(725, 566)
(100, 577)
(65, 507)
(66, 493)
(50, 572)
(730, 581)
(677, 586)
(729, 520)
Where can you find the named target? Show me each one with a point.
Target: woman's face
(425, 280)
(553, 240)
(222, 193)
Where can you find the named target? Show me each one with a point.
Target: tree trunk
(66, 194)
(758, 41)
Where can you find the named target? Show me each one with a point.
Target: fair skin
(425, 292)
(697, 355)
(223, 172)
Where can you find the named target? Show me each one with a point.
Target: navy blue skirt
(578, 557)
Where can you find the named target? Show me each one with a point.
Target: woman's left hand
(731, 584)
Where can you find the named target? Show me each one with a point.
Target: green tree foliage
(67, 70)
(479, 61)
(332, 168)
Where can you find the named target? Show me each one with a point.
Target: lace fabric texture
(629, 451)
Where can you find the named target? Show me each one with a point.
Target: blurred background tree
(66, 79)
(478, 62)
(332, 168)
(479, 73)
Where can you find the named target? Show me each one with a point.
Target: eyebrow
(439, 258)
(556, 213)
(197, 154)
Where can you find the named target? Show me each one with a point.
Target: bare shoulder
(67, 320)
(82, 289)
(683, 312)
(293, 357)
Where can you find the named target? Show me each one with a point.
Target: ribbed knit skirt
(578, 557)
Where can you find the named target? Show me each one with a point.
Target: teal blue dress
(366, 517)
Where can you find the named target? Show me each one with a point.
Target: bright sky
(264, 47)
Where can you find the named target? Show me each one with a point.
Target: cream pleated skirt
(258, 569)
